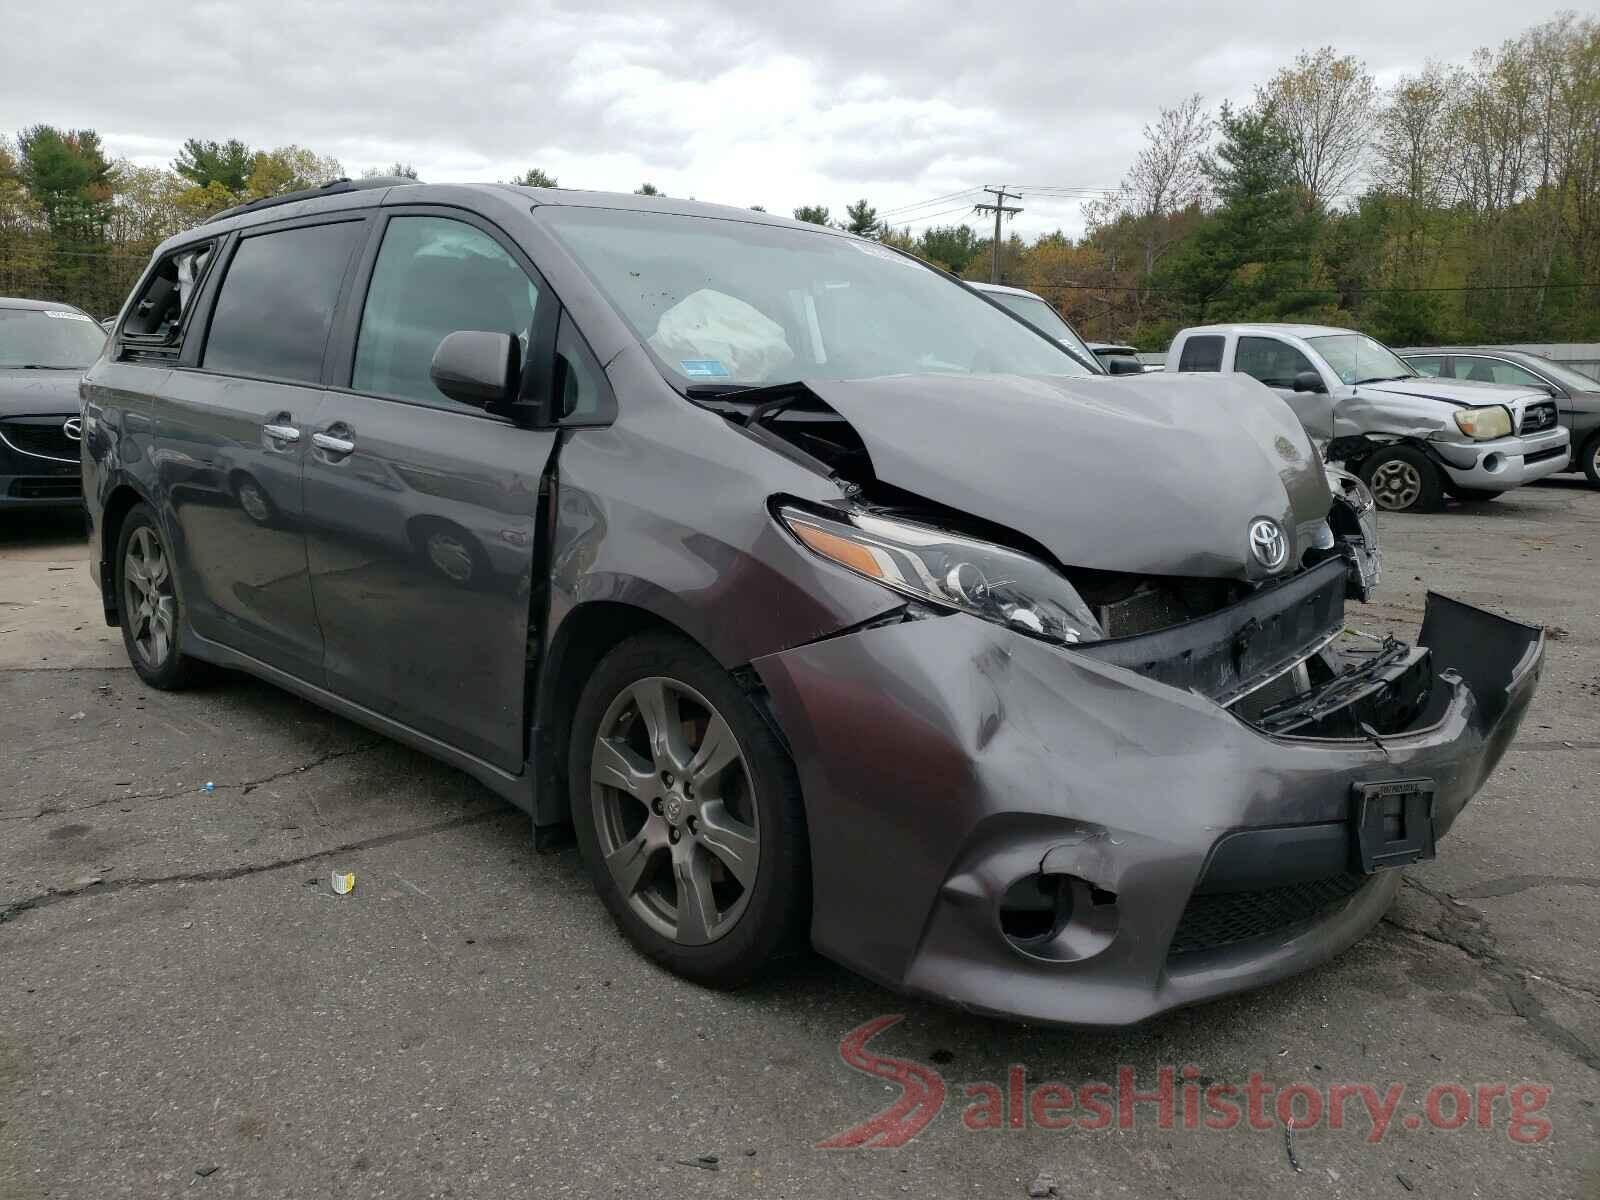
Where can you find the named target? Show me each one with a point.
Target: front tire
(1589, 460)
(148, 605)
(1402, 479)
(688, 813)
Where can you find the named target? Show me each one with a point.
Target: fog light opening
(1035, 908)
(1057, 918)
(1493, 462)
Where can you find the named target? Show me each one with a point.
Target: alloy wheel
(150, 598)
(675, 811)
(1396, 485)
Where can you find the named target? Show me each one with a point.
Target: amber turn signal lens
(842, 550)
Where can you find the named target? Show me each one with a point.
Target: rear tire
(1589, 460)
(1402, 479)
(698, 844)
(147, 603)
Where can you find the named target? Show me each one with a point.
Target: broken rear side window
(157, 316)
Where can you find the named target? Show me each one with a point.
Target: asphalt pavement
(188, 1009)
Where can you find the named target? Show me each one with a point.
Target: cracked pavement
(187, 1008)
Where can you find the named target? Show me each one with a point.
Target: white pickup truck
(1410, 438)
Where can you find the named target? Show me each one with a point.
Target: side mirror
(473, 366)
(1308, 381)
(1123, 365)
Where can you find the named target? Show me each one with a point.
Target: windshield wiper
(712, 391)
(1383, 379)
(39, 367)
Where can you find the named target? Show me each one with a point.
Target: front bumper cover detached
(946, 759)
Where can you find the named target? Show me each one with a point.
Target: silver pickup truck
(1410, 438)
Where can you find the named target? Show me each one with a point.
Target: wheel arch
(113, 513)
(585, 635)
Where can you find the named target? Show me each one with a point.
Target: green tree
(862, 219)
(203, 163)
(951, 246)
(816, 214)
(647, 189)
(534, 177)
(289, 169)
(1252, 254)
(65, 170)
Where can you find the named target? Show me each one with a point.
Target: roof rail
(332, 188)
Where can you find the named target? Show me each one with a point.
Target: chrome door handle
(333, 445)
(281, 433)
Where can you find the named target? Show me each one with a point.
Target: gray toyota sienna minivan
(817, 593)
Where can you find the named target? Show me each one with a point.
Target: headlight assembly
(952, 571)
(1485, 424)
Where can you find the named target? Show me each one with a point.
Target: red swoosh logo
(921, 1098)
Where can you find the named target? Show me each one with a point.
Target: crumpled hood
(1460, 393)
(1158, 474)
(38, 393)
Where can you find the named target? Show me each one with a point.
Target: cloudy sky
(738, 102)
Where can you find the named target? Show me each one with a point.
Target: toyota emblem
(1268, 543)
(73, 428)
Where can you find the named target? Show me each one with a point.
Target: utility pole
(999, 209)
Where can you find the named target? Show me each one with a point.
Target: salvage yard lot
(186, 1007)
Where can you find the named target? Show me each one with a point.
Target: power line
(935, 216)
(928, 203)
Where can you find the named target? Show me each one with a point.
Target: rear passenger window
(157, 316)
(1430, 366)
(1495, 370)
(1201, 354)
(1273, 362)
(434, 276)
(276, 305)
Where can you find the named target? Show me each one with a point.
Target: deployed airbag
(715, 336)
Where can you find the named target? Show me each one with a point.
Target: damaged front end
(1079, 841)
(1110, 794)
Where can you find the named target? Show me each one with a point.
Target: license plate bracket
(1394, 823)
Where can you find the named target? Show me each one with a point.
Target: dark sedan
(44, 348)
(1577, 396)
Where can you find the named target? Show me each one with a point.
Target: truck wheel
(1403, 480)
(1589, 460)
(687, 809)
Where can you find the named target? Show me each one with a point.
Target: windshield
(1568, 378)
(1356, 358)
(736, 302)
(1036, 311)
(31, 337)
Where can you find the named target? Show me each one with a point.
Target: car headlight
(1484, 424)
(952, 571)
